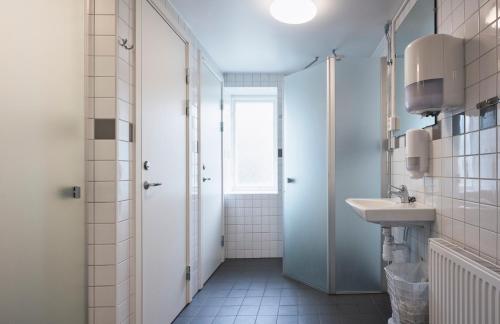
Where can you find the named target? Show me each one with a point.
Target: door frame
(171, 22)
(204, 61)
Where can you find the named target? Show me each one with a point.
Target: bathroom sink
(391, 212)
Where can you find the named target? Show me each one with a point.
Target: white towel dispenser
(434, 74)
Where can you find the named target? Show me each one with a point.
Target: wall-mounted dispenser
(434, 74)
(417, 152)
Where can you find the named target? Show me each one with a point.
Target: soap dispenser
(417, 152)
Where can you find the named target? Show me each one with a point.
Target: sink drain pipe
(388, 244)
(393, 252)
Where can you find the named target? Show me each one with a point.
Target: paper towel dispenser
(434, 74)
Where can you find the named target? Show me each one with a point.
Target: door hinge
(197, 147)
(187, 76)
(221, 126)
(187, 107)
(221, 104)
(222, 240)
(188, 273)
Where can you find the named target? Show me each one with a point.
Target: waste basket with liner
(408, 287)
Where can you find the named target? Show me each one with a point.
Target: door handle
(148, 185)
(206, 179)
(290, 180)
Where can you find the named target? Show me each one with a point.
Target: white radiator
(464, 289)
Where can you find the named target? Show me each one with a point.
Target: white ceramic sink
(391, 212)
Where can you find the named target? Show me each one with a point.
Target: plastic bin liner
(408, 287)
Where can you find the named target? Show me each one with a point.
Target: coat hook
(123, 42)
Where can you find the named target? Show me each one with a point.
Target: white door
(211, 225)
(164, 142)
(42, 231)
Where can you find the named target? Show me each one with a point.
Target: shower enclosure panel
(332, 151)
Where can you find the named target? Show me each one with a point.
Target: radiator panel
(464, 289)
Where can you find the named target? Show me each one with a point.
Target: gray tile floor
(253, 291)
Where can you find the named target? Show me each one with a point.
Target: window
(252, 155)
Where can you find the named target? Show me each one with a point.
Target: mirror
(419, 22)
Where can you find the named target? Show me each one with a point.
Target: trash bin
(408, 287)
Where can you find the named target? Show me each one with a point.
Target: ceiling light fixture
(293, 11)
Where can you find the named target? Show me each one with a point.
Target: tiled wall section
(253, 226)
(253, 222)
(463, 181)
(110, 112)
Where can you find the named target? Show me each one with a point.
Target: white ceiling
(241, 35)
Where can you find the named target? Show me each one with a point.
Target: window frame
(238, 188)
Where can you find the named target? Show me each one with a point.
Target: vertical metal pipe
(393, 70)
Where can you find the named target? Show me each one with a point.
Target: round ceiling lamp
(293, 11)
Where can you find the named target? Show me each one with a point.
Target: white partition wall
(332, 152)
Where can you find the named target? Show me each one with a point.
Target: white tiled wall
(463, 181)
(253, 226)
(109, 163)
(253, 222)
(254, 80)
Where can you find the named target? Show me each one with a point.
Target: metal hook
(123, 42)
(336, 56)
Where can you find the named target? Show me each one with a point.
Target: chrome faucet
(402, 193)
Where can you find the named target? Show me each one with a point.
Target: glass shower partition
(358, 173)
(305, 224)
(332, 151)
